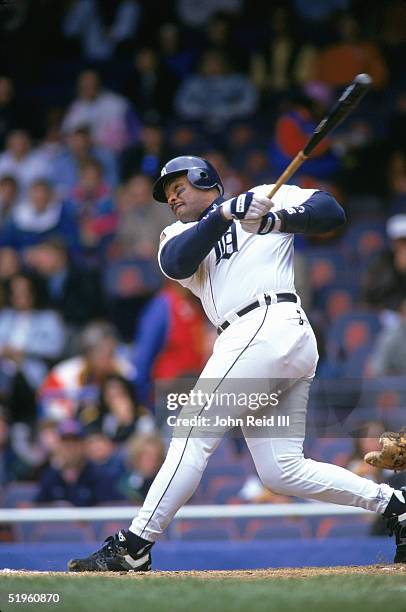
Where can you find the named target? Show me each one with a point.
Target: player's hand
(267, 224)
(248, 206)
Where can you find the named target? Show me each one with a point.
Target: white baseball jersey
(243, 265)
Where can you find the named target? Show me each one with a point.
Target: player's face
(186, 201)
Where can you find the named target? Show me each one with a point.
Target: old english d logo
(227, 245)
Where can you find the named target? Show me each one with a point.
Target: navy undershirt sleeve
(182, 254)
(320, 213)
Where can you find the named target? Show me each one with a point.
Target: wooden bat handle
(285, 176)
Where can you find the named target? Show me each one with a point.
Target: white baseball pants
(272, 345)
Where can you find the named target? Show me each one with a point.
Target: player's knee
(281, 475)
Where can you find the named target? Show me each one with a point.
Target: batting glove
(248, 206)
(267, 224)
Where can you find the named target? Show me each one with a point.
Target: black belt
(280, 297)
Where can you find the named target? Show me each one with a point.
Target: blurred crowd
(95, 96)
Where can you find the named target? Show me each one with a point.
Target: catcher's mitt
(393, 453)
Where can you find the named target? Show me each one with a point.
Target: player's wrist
(237, 207)
(225, 210)
(270, 223)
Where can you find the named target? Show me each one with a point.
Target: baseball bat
(341, 109)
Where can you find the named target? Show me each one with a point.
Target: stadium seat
(363, 240)
(61, 532)
(273, 528)
(326, 267)
(220, 488)
(19, 494)
(331, 450)
(125, 278)
(350, 332)
(215, 477)
(106, 528)
(336, 300)
(220, 529)
(344, 526)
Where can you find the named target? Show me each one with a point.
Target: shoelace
(110, 544)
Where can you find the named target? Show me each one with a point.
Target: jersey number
(227, 245)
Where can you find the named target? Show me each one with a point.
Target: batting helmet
(199, 172)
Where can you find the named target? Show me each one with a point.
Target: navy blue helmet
(199, 172)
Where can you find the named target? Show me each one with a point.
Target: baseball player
(236, 255)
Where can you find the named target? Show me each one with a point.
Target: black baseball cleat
(398, 528)
(114, 556)
(395, 515)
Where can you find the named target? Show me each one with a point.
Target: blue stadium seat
(351, 332)
(63, 532)
(273, 528)
(19, 494)
(220, 529)
(136, 276)
(344, 526)
(326, 267)
(336, 300)
(331, 450)
(363, 240)
(107, 528)
(221, 488)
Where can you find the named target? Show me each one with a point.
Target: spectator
(79, 149)
(73, 290)
(216, 95)
(147, 157)
(350, 55)
(169, 339)
(8, 197)
(293, 129)
(195, 14)
(397, 123)
(286, 61)
(146, 454)
(21, 161)
(397, 181)
(122, 414)
(175, 57)
(12, 467)
(11, 115)
(29, 339)
(141, 220)
(112, 121)
(103, 27)
(94, 208)
(151, 86)
(45, 446)
(364, 445)
(388, 356)
(221, 35)
(41, 216)
(101, 451)
(318, 11)
(185, 139)
(384, 285)
(73, 386)
(74, 479)
(9, 264)
(234, 183)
